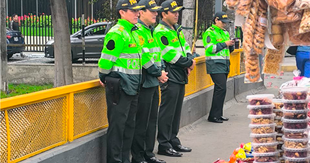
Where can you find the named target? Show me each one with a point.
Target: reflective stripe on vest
(104, 71)
(217, 57)
(213, 49)
(108, 57)
(154, 50)
(127, 71)
(148, 64)
(176, 57)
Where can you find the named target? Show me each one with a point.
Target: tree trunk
(188, 20)
(62, 46)
(3, 50)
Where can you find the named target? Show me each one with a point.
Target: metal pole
(75, 14)
(111, 6)
(3, 48)
(83, 33)
(37, 7)
(7, 7)
(218, 5)
(21, 8)
(92, 10)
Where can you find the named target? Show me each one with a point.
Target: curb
(288, 68)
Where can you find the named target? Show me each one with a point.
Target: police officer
(146, 119)
(217, 48)
(178, 62)
(120, 72)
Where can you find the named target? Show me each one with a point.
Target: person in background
(178, 63)
(303, 60)
(218, 47)
(14, 24)
(146, 119)
(120, 71)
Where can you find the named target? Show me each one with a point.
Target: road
(38, 57)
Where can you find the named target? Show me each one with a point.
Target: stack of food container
(277, 110)
(295, 125)
(262, 128)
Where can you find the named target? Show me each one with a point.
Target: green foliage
(20, 89)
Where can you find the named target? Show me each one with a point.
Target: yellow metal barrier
(36, 122)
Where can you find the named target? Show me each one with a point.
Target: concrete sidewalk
(211, 141)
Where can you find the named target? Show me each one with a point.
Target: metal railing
(33, 123)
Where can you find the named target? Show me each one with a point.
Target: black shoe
(215, 120)
(138, 161)
(181, 148)
(224, 118)
(155, 160)
(170, 152)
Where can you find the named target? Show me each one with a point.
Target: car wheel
(10, 55)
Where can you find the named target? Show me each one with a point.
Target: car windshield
(96, 30)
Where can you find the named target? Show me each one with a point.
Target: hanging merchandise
(305, 22)
(302, 4)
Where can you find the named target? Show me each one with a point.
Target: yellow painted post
(239, 62)
(70, 117)
(8, 134)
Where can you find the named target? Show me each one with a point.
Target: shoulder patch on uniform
(164, 40)
(121, 29)
(132, 45)
(111, 45)
(212, 28)
(208, 39)
(150, 40)
(174, 40)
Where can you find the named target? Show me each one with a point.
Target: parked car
(94, 37)
(14, 37)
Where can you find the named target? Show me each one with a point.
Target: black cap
(150, 5)
(222, 16)
(128, 4)
(171, 5)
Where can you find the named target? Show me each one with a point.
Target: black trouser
(146, 122)
(121, 118)
(219, 94)
(172, 96)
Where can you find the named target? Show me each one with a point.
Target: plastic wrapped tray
(266, 157)
(260, 99)
(295, 143)
(260, 109)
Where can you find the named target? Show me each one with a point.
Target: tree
(188, 20)
(62, 46)
(3, 50)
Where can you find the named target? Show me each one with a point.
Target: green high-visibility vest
(151, 57)
(176, 46)
(121, 56)
(217, 53)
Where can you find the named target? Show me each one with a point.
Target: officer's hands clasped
(163, 78)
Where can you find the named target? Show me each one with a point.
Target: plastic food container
(278, 121)
(278, 104)
(280, 153)
(265, 157)
(262, 119)
(294, 93)
(295, 104)
(296, 160)
(260, 99)
(295, 133)
(295, 143)
(262, 129)
(295, 124)
(278, 112)
(260, 109)
(264, 147)
(296, 153)
(263, 138)
(295, 114)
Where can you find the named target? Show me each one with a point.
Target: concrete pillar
(218, 5)
(188, 20)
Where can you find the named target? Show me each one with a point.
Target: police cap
(222, 16)
(171, 5)
(128, 4)
(150, 5)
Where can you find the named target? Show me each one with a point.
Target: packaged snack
(295, 114)
(295, 124)
(296, 160)
(284, 17)
(278, 103)
(279, 113)
(295, 104)
(295, 133)
(305, 22)
(260, 109)
(278, 129)
(280, 5)
(262, 129)
(279, 137)
(295, 93)
(263, 138)
(265, 157)
(232, 4)
(260, 99)
(295, 143)
(273, 59)
(296, 153)
(243, 7)
(278, 121)
(262, 119)
(264, 147)
(295, 37)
